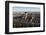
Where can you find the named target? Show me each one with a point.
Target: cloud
(26, 9)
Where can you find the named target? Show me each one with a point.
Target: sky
(26, 9)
